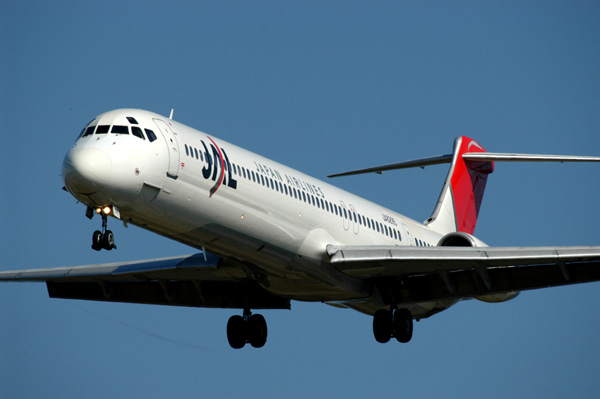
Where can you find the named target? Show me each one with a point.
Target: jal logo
(217, 168)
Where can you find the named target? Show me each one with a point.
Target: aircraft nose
(86, 170)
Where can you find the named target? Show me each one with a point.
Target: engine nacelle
(460, 239)
(497, 298)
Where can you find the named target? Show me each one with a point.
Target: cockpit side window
(119, 129)
(151, 135)
(102, 129)
(85, 130)
(89, 131)
(132, 120)
(137, 132)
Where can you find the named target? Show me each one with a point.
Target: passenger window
(196, 152)
(137, 132)
(102, 129)
(89, 131)
(151, 135)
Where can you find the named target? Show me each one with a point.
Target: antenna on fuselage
(171, 115)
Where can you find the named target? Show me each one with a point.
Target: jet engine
(460, 239)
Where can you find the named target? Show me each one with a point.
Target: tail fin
(459, 202)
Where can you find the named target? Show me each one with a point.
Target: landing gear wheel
(257, 331)
(103, 239)
(108, 240)
(97, 240)
(382, 325)
(236, 332)
(403, 325)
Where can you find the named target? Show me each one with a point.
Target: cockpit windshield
(120, 129)
(102, 129)
(92, 128)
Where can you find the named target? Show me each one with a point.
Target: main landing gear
(392, 323)
(104, 239)
(249, 328)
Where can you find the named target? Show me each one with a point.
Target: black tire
(257, 331)
(382, 325)
(108, 240)
(236, 332)
(403, 325)
(97, 240)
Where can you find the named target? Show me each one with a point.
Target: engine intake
(460, 239)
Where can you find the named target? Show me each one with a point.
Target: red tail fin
(458, 206)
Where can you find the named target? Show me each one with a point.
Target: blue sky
(323, 87)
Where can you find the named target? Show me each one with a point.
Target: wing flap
(190, 293)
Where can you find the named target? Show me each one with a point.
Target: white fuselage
(214, 196)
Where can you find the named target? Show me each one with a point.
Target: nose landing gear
(103, 239)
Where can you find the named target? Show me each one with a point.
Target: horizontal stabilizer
(471, 156)
(421, 163)
(502, 157)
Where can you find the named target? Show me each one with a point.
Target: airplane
(269, 234)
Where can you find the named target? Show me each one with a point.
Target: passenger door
(171, 141)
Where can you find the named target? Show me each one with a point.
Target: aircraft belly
(294, 272)
(420, 310)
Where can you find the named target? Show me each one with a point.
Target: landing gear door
(171, 141)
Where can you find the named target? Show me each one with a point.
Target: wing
(200, 280)
(418, 274)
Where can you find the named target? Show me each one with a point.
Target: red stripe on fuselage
(218, 184)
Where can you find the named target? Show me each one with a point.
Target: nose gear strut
(104, 238)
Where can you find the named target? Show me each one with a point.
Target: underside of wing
(417, 274)
(200, 280)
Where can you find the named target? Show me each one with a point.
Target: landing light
(106, 210)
